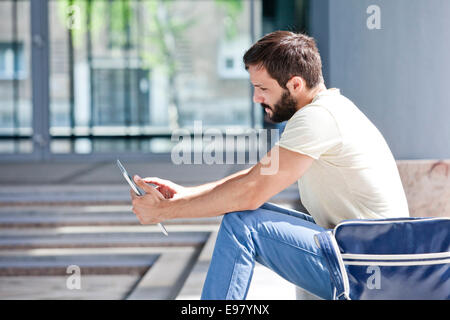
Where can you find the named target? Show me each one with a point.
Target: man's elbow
(248, 204)
(253, 199)
(255, 205)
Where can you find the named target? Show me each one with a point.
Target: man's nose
(257, 98)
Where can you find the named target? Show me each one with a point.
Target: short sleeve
(312, 131)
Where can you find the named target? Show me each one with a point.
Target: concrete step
(93, 287)
(192, 287)
(105, 273)
(107, 172)
(65, 194)
(165, 278)
(112, 194)
(89, 263)
(59, 216)
(90, 237)
(53, 262)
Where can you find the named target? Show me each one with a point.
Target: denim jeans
(280, 239)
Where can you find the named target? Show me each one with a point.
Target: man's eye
(263, 89)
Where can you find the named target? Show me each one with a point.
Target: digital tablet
(136, 190)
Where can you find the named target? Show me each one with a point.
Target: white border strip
(418, 256)
(342, 267)
(386, 221)
(393, 220)
(395, 263)
(356, 221)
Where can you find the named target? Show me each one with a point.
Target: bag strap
(335, 264)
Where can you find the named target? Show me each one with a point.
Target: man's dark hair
(286, 54)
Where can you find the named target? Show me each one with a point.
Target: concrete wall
(397, 75)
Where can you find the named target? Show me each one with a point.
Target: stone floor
(56, 215)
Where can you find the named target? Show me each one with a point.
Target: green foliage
(154, 21)
(81, 11)
(232, 8)
(157, 38)
(157, 33)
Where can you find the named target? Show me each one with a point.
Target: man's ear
(295, 85)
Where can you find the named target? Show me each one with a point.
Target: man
(344, 169)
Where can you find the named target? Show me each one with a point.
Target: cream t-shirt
(354, 174)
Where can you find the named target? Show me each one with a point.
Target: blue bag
(407, 258)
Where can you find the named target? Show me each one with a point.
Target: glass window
(11, 61)
(15, 82)
(125, 74)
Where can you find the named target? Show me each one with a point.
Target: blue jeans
(280, 239)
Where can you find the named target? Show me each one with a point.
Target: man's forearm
(245, 190)
(213, 199)
(211, 185)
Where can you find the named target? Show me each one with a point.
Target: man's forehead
(259, 75)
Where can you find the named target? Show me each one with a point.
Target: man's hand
(167, 188)
(149, 208)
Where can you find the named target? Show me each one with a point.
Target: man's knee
(240, 221)
(237, 227)
(233, 218)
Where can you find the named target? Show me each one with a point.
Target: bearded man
(343, 166)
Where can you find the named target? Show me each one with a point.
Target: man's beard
(284, 109)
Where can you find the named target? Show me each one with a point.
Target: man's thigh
(277, 208)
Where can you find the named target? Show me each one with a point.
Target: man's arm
(211, 185)
(246, 190)
(170, 189)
